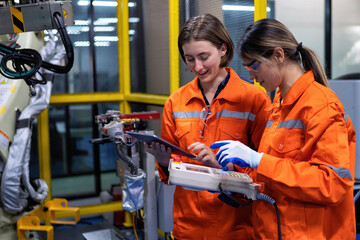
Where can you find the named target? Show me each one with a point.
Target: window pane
(149, 46)
(106, 46)
(78, 80)
(305, 19)
(346, 38)
(137, 45)
(70, 132)
(73, 186)
(34, 153)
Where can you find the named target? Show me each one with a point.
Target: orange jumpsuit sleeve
(322, 177)
(352, 143)
(260, 103)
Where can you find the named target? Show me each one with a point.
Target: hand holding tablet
(149, 138)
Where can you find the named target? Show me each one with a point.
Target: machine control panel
(198, 177)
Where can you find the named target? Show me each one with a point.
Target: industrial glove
(237, 153)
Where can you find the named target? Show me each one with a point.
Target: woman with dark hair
(306, 156)
(215, 105)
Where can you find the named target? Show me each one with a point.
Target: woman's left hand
(237, 153)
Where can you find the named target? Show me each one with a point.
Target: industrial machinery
(197, 178)
(29, 15)
(21, 60)
(25, 89)
(113, 127)
(138, 186)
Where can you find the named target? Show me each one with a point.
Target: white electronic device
(198, 177)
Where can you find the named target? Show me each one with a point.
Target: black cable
(128, 160)
(59, 21)
(278, 220)
(27, 62)
(262, 196)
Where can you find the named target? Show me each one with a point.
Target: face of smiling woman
(203, 58)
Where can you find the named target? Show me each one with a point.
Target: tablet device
(149, 138)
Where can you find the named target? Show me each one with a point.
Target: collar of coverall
(294, 93)
(227, 93)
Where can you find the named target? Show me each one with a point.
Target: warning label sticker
(4, 140)
(4, 93)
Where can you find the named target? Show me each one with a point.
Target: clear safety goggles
(204, 115)
(253, 66)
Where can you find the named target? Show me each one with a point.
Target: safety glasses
(255, 64)
(204, 114)
(252, 66)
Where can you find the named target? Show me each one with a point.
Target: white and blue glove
(237, 153)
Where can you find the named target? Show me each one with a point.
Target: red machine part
(141, 115)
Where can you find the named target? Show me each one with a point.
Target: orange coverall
(308, 166)
(237, 113)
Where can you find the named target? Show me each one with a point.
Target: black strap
(24, 123)
(226, 198)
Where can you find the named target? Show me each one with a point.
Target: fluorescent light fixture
(82, 22)
(131, 32)
(76, 30)
(99, 21)
(82, 44)
(105, 21)
(131, 4)
(102, 44)
(241, 8)
(104, 3)
(83, 3)
(98, 3)
(134, 20)
(84, 29)
(104, 29)
(106, 38)
(87, 44)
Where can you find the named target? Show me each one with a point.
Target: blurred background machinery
(27, 70)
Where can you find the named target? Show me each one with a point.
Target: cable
(128, 160)
(133, 218)
(27, 62)
(59, 21)
(267, 198)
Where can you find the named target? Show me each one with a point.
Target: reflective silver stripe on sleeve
(193, 114)
(269, 123)
(292, 124)
(238, 115)
(342, 172)
(346, 116)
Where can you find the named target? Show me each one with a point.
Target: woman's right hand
(161, 154)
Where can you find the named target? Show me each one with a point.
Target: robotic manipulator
(113, 126)
(27, 16)
(22, 57)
